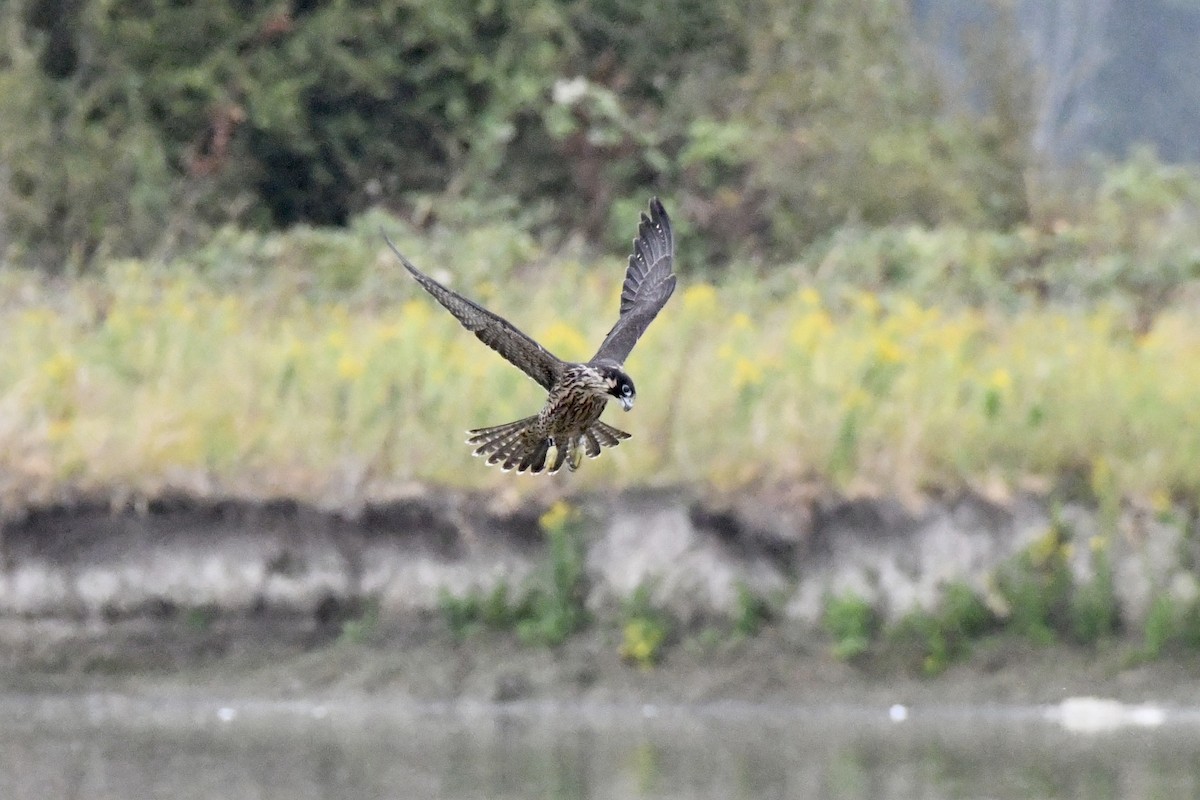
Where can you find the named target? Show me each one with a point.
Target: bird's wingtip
(389, 241)
(407, 264)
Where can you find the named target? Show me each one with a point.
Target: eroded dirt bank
(256, 597)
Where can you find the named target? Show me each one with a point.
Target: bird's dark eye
(626, 390)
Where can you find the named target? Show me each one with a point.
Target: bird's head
(618, 384)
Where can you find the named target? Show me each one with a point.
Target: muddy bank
(258, 595)
(419, 663)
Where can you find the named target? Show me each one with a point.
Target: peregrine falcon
(570, 420)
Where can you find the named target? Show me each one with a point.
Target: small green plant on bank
(944, 635)
(644, 629)
(1040, 601)
(852, 622)
(1036, 586)
(556, 604)
(1045, 603)
(1093, 606)
(201, 618)
(360, 629)
(549, 609)
(1161, 626)
(1170, 625)
(460, 613)
(750, 611)
(477, 609)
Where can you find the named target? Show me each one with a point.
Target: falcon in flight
(570, 420)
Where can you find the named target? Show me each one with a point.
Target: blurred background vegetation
(138, 127)
(925, 243)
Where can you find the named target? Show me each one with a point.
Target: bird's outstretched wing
(649, 283)
(496, 332)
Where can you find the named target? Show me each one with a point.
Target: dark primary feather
(494, 331)
(649, 283)
(653, 251)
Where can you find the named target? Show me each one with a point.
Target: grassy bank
(310, 365)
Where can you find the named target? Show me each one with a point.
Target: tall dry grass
(293, 366)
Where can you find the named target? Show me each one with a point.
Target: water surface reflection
(97, 748)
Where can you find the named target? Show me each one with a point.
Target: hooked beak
(626, 402)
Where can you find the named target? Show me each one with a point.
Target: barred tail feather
(515, 445)
(591, 443)
(596, 437)
(534, 459)
(486, 437)
(607, 435)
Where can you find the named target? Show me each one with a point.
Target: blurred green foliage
(645, 628)
(496, 609)
(545, 611)
(362, 627)
(1036, 586)
(933, 640)
(1172, 626)
(751, 611)
(852, 622)
(132, 127)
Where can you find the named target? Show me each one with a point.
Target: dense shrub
(255, 112)
(129, 126)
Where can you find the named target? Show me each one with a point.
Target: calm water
(109, 747)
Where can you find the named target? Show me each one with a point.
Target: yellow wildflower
(1000, 380)
(888, 351)
(415, 310)
(118, 322)
(866, 302)
(642, 642)
(293, 349)
(857, 398)
(336, 339)
(179, 305)
(562, 339)
(700, 298)
(1160, 501)
(747, 373)
(231, 311)
(1102, 476)
(58, 429)
(350, 367)
(557, 516)
(810, 328)
(60, 367)
(340, 314)
(388, 332)
(1045, 547)
(36, 318)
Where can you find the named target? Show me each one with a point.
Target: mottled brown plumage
(570, 419)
